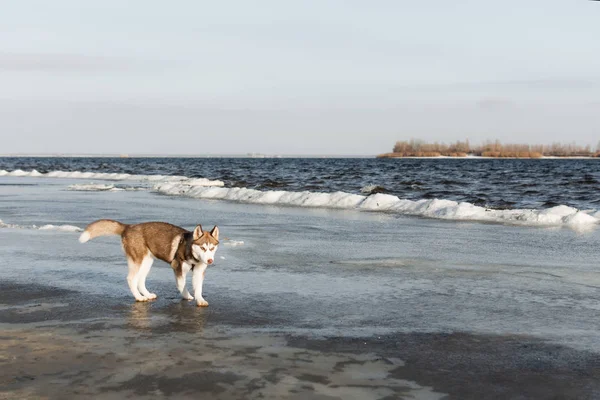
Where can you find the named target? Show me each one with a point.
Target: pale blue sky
(311, 77)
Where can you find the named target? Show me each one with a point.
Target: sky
(305, 77)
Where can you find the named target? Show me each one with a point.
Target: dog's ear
(198, 232)
(215, 232)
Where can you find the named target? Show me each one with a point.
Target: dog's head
(205, 244)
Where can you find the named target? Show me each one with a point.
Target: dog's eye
(212, 248)
(203, 248)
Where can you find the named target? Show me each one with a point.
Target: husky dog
(144, 242)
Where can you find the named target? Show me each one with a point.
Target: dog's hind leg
(144, 270)
(181, 270)
(133, 279)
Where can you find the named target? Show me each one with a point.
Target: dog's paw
(142, 298)
(188, 297)
(202, 303)
(152, 296)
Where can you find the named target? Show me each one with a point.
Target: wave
(202, 188)
(431, 208)
(372, 189)
(49, 227)
(113, 177)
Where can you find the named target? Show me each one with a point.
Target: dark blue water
(493, 183)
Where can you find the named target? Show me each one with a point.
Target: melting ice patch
(113, 177)
(99, 187)
(49, 227)
(434, 208)
(233, 243)
(64, 228)
(92, 187)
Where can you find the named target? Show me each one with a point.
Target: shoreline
(368, 200)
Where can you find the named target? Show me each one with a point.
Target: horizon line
(183, 155)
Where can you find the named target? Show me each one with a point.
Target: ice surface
(321, 271)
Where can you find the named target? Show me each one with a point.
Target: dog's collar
(196, 261)
(191, 252)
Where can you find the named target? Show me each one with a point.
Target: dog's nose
(210, 261)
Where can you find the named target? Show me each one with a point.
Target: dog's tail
(102, 227)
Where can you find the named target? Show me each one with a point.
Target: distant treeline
(420, 148)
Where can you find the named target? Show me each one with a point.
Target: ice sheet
(325, 272)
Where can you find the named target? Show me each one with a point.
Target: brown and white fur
(144, 242)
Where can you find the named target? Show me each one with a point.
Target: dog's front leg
(181, 270)
(197, 281)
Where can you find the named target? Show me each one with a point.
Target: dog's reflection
(139, 316)
(181, 316)
(186, 317)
